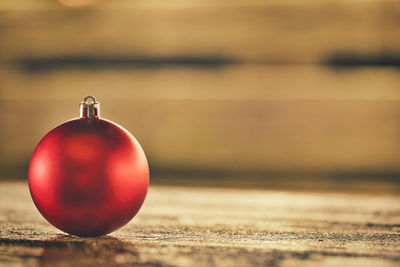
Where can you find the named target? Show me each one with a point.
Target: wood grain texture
(214, 227)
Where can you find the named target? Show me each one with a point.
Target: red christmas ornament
(88, 176)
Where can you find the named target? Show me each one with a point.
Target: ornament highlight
(88, 176)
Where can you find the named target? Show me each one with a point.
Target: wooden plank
(308, 31)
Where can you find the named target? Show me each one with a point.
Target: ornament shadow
(72, 250)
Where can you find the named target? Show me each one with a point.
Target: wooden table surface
(180, 226)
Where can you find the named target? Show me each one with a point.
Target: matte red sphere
(88, 177)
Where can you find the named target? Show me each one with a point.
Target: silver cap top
(89, 108)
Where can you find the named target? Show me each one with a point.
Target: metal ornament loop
(89, 108)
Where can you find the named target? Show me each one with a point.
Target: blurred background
(291, 95)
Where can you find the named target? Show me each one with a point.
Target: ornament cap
(89, 108)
